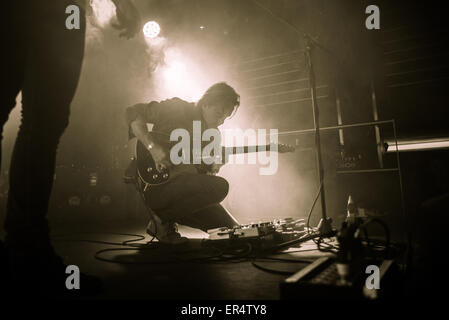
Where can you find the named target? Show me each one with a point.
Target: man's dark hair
(220, 92)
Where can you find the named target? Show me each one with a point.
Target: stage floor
(156, 272)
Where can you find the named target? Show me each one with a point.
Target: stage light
(416, 145)
(151, 29)
(105, 200)
(74, 201)
(93, 179)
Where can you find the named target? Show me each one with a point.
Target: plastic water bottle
(351, 211)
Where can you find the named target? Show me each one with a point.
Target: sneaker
(166, 233)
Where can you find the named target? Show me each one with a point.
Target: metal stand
(325, 224)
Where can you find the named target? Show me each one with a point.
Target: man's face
(214, 115)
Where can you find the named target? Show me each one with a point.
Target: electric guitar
(146, 166)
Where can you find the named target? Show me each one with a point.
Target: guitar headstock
(283, 148)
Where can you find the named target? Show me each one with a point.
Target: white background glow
(180, 76)
(104, 11)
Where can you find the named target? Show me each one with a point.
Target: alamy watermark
(373, 280)
(213, 151)
(373, 20)
(73, 20)
(73, 280)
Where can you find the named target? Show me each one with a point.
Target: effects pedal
(240, 232)
(281, 229)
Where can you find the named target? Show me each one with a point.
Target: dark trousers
(41, 58)
(192, 200)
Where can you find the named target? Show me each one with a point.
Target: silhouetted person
(42, 58)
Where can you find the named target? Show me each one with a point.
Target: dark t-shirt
(166, 116)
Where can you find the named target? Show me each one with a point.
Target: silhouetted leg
(52, 66)
(14, 52)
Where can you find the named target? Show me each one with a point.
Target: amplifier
(322, 279)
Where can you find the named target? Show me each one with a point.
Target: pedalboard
(282, 229)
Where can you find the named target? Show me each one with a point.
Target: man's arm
(140, 130)
(137, 117)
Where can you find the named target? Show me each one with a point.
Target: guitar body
(146, 167)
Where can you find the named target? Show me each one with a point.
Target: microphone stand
(325, 224)
(324, 228)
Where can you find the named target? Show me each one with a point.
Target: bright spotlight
(151, 29)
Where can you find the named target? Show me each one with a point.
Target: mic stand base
(325, 227)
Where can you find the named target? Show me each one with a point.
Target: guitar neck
(245, 149)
